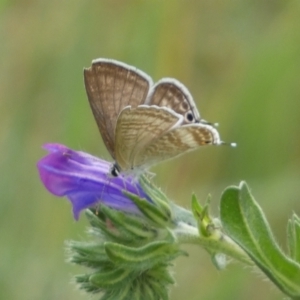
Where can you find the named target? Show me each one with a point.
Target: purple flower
(85, 180)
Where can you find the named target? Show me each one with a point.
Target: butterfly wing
(111, 86)
(138, 127)
(170, 93)
(175, 142)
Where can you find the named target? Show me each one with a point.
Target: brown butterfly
(142, 123)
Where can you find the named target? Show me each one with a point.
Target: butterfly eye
(189, 116)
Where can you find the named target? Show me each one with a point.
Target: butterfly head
(115, 170)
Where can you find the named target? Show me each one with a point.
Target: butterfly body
(142, 124)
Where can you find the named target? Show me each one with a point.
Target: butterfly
(142, 123)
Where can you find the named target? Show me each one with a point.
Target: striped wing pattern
(142, 124)
(170, 93)
(138, 127)
(176, 142)
(110, 87)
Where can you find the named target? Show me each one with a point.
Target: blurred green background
(239, 59)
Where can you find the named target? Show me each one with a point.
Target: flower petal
(85, 180)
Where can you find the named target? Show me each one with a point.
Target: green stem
(187, 232)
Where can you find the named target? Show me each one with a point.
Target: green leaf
(158, 197)
(151, 190)
(162, 273)
(159, 289)
(202, 216)
(85, 284)
(101, 225)
(110, 277)
(244, 221)
(294, 237)
(91, 255)
(196, 207)
(143, 257)
(159, 217)
(130, 226)
(119, 292)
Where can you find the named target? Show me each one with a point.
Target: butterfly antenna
(228, 144)
(209, 123)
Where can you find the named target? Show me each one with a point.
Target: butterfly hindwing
(177, 141)
(170, 93)
(138, 127)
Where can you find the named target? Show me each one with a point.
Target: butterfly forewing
(172, 94)
(177, 141)
(139, 127)
(111, 86)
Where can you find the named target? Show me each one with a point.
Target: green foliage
(244, 221)
(294, 237)
(130, 255)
